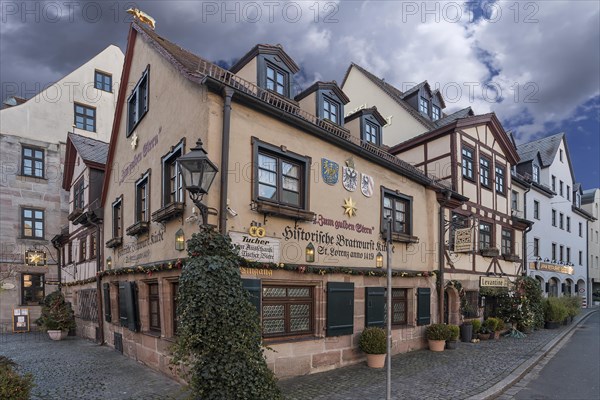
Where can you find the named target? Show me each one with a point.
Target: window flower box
(168, 212)
(511, 257)
(490, 252)
(138, 228)
(114, 242)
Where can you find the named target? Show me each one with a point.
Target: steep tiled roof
(89, 149)
(547, 148)
(464, 113)
(394, 93)
(414, 89)
(588, 196)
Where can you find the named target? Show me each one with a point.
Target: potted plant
(492, 325)
(57, 317)
(437, 334)
(451, 343)
(555, 312)
(573, 304)
(373, 341)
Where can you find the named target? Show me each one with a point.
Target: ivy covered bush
(219, 344)
(12, 385)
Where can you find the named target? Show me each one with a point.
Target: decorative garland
(302, 269)
(456, 285)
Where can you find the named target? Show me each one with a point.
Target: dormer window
(435, 112)
(276, 79)
(536, 174)
(577, 200)
(424, 105)
(372, 133)
(331, 109)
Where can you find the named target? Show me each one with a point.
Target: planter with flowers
(436, 335)
(373, 341)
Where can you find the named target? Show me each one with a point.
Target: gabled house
(415, 111)
(590, 202)
(33, 216)
(298, 189)
(557, 244)
(82, 248)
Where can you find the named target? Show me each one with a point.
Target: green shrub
(573, 304)
(57, 314)
(219, 338)
(476, 325)
(437, 332)
(454, 332)
(555, 310)
(12, 385)
(501, 325)
(491, 324)
(373, 340)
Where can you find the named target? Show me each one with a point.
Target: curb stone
(525, 367)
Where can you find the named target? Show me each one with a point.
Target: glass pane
(267, 162)
(299, 310)
(38, 154)
(273, 311)
(273, 326)
(27, 213)
(280, 78)
(387, 212)
(299, 325)
(399, 217)
(298, 292)
(90, 112)
(290, 197)
(38, 165)
(79, 109)
(290, 169)
(387, 202)
(399, 293)
(39, 233)
(38, 225)
(27, 152)
(273, 292)
(267, 177)
(290, 184)
(270, 73)
(267, 192)
(399, 205)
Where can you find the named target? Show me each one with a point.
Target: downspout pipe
(227, 95)
(527, 230)
(442, 232)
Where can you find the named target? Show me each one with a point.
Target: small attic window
(560, 154)
(331, 110)
(276, 79)
(424, 105)
(435, 112)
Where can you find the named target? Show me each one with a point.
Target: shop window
(32, 289)
(154, 307)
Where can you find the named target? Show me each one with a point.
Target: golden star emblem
(349, 207)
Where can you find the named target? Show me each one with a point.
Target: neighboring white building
(34, 207)
(557, 243)
(591, 203)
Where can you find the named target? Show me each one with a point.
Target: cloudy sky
(535, 63)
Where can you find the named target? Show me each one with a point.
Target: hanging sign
(493, 281)
(261, 249)
(463, 240)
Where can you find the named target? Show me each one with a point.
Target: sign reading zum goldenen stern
(493, 281)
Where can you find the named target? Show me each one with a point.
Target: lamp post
(197, 173)
(388, 241)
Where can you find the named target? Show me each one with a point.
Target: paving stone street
(79, 369)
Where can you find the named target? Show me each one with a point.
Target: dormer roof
(265, 49)
(92, 152)
(367, 111)
(547, 148)
(416, 88)
(333, 86)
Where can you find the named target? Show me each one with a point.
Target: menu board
(20, 319)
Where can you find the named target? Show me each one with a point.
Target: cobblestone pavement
(425, 375)
(79, 369)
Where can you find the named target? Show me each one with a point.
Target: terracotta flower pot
(376, 360)
(484, 336)
(437, 345)
(57, 334)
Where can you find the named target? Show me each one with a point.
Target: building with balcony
(33, 135)
(557, 243)
(302, 190)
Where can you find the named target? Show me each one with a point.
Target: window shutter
(253, 287)
(107, 313)
(423, 306)
(547, 287)
(340, 308)
(375, 306)
(128, 312)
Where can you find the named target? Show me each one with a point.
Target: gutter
(525, 232)
(440, 283)
(227, 95)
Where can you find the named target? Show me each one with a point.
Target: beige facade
(341, 226)
(33, 134)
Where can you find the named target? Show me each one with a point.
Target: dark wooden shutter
(340, 308)
(375, 306)
(128, 313)
(253, 287)
(107, 313)
(423, 306)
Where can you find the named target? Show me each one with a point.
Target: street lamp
(197, 173)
